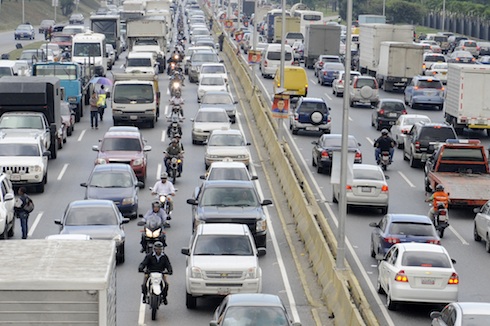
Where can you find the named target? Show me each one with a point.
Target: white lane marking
(34, 225)
(328, 96)
(370, 140)
(350, 119)
(313, 81)
(63, 170)
(460, 237)
(141, 316)
(361, 268)
(81, 135)
(406, 179)
(166, 110)
(159, 171)
(164, 135)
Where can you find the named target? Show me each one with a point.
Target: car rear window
(361, 82)
(361, 174)
(440, 38)
(429, 84)
(412, 229)
(470, 44)
(393, 106)
(333, 66)
(337, 142)
(425, 259)
(463, 154)
(121, 144)
(435, 58)
(271, 55)
(310, 107)
(437, 134)
(228, 174)
(298, 36)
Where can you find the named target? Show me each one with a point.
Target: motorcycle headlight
(261, 225)
(162, 199)
(118, 238)
(138, 161)
(100, 161)
(154, 234)
(251, 273)
(128, 201)
(176, 85)
(196, 272)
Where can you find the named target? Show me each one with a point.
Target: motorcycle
(441, 219)
(153, 231)
(175, 84)
(174, 166)
(155, 286)
(174, 127)
(384, 160)
(164, 203)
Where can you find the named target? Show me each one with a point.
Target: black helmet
(439, 187)
(384, 132)
(158, 244)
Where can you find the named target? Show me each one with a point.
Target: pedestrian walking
(101, 101)
(22, 208)
(221, 39)
(94, 111)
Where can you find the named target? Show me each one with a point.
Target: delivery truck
(58, 282)
(467, 101)
(321, 39)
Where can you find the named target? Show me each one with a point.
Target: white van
(89, 49)
(141, 62)
(271, 59)
(7, 68)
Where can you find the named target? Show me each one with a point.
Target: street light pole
(283, 58)
(23, 18)
(384, 8)
(443, 14)
(255, 39)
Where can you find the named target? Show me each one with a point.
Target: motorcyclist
(384, 143)
(178, 100)
(178, 137)
(173, 149)
(156, 261)
(157, 212)
(437, 197)
(165, 187)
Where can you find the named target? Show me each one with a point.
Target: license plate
(313, 128)
(404, 79)
(392, 122)
(366, 189)
(428, 93)
(133, 117)
(444, 73)
(392, 115)
(428, 281)
(15, 177)
(223, 291)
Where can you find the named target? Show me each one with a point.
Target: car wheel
(390, 304)
(487, 244)
(413, 161)
(333, 91)
(319, 169)
(120, 255)
(371, 247)
(476, 237)
(384, 210)
(313, 163)
(294, 131)
(10, 232)
(190, 301)
(398, 144)
(379, 288)
(351, 103)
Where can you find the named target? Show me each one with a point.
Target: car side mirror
(185, 251)
(84, 184)
(315, 142)
(248, 144)
(266, 202)
(95, 148)
(477, 210)
(9, 197)
(435, 314)
(191, 201)
(47, 153)
(202, 177)
(125, 221)
(374, 224)
(254, 177)
(147, 148)
(58, 222)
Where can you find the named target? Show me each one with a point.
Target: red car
(124, 145)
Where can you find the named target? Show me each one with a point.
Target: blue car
(329, 72)
(424, 91)
(116, 182)
(401, 228)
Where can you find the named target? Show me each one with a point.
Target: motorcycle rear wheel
(154, 303)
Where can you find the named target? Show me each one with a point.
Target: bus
(307, 17)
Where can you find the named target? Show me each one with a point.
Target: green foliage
(66, 7)
(399, 11)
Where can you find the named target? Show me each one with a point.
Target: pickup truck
(461, 166)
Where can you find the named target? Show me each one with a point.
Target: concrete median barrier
(342, 293)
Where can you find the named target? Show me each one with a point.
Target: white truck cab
(141, 62)
(89, 49)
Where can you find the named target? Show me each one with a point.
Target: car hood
(227, 107)
(226, 213)
(211, 125)
(224, 263)
(227, 150)
(122, 155)
(114, 194)
(25, 161)
(97, 232)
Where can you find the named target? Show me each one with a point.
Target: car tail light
(434, 73)
(401, 277)
(358, 156)
(457, 59)
(463, 47)
(404, 131)
(384, 188)
(434, 241)
(391, 240)
(417, 145)
(404, 111)
(473, 59)
(354, 85)
(424, 66)
(329, 119)
(265, 63)
(325, 154)
(348, 187)
(415, 88)
(306, 89)
(381, 112)
(376, 84)
(340, 82)
(325, 73)
(454, 279)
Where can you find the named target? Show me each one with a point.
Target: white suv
(7, 221)
(221, 259)
(24, 159)
(364, 90)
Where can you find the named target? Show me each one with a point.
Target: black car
(461, 57)
(387, 112)
(423, 139)
(231, 201)
(324, 148)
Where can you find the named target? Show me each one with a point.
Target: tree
(66, 7)
(405, 12)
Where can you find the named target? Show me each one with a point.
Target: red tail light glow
(401, 277)
(358, 156)
(384, 188)
(348, 187)
(436, 242)
(391, 240)
(382, 112)
(417, 145)
(454, 279)
(325, 154)
(404, 112)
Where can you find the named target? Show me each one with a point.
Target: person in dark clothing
(156, 262)
(22, 211)
(221, 39)
(384, 143)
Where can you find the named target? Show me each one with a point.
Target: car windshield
(61, 38)
(361, 82)
(139, 93)
(310, 107)
(223, 245)
(5, 71)
(213, 70)
(63, 72)
(228, 174)
(412, 229)
(19, 150)
(216, 99)
(437, 134)
(426, 259)
(213, 116)
(361, 174)
(31, 55)
(429, 84)
(86, 49)
(226, 140)
(294, 35)
(99, 215)
(229, 197)
(204, 57)
(121, 144)
(255, 315)
(24, 28)
(21, 122)
(212, 81)
(139, 62)
(107, 179)
(272, 55)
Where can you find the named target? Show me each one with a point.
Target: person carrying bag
(22, 208)
(101, 102)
